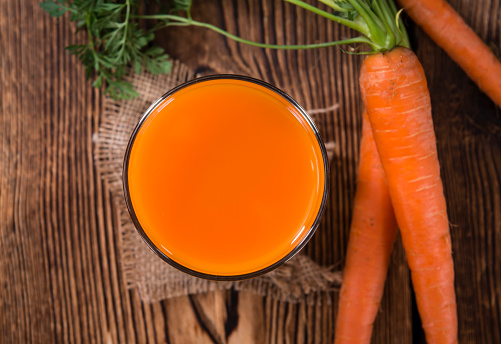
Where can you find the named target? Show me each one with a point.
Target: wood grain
(60, 280)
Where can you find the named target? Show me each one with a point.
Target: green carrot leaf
(159, 64)
(56, 8)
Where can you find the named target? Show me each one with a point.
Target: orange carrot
(446, 27)
(397, 100)
(372, 234)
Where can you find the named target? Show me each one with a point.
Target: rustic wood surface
(60, 278)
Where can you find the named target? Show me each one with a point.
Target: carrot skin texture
(372, 234)
(395, 93)
(446, 27)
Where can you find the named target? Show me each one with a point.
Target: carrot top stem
(172, 20)
(377, 20)
(361, 27)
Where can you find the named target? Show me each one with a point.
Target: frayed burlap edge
(299, 280)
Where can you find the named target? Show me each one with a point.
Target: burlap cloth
(299, 280)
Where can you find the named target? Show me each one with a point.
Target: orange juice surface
(226, 177)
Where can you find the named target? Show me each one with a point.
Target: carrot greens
(116, 40)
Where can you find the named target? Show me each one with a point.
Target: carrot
(396, 96)
(397, 100)
(446, 27)
(372, 234)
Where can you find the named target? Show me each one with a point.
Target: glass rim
(192, 272)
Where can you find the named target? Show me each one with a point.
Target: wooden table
(60, 278)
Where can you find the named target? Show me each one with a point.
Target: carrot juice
(225, 177)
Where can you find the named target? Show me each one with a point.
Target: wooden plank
(250, 324)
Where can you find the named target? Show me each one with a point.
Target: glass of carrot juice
(225, 177)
